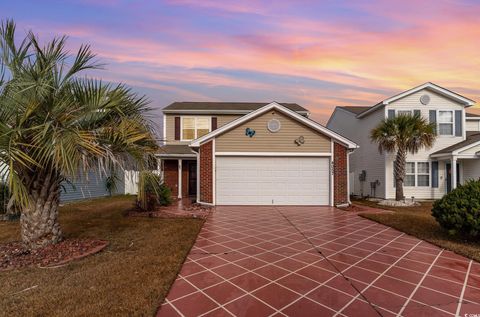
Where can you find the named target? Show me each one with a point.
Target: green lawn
(130, 277)
(418, 221)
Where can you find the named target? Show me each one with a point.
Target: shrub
(165, 196)
(459, 211)
(111, 184)
(151, 191)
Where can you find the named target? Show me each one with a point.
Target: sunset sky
(319, 54)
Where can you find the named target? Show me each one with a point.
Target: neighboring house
(454, 158)
(253, 154)
(89, 185)
(92, 184)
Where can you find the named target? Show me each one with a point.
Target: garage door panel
(272, 180)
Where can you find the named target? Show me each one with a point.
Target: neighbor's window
(404, 112)
(423, 174)
(445, 122)
(195, 127)
(410, 174)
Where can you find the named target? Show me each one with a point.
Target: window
(194, 127)
(417, 174)
(423, 174)
(410, 174)
(445, 122)
(404, 112)
(203, 126)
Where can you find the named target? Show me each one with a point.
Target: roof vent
(274, 125)
(425, 99)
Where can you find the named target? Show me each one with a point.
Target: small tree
(401, 135)
(152, 192)
(54, 124)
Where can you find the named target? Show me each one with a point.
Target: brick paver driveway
(317, 261)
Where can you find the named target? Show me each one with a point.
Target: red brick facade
(340, 186)
(206, 172)
(170, 170)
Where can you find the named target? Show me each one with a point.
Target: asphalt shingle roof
(231, 106)
(176, 149)
(355, 109)
(472, 137)
(472, 115)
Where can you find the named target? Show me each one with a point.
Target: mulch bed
(14, 255)
(353, 208)
(365, 209)
(191, 211)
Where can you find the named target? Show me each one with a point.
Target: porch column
(179, 178)
(454, 172)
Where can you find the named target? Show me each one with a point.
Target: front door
(192, 178)
(449, 176)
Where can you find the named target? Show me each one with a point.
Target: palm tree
(54, 124)
(401, 135)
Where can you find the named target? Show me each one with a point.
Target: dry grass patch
(130, 277)
(418, 221)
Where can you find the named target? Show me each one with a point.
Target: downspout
(348, 175)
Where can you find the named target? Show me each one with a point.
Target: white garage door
(272, 180)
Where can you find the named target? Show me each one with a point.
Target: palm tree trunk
(39, 220)
(399, 172)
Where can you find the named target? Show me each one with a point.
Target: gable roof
(274, 105)
(354, 109)
(438, 89)
(472, 138)
(226, 107)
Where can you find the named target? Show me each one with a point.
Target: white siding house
(428, 177)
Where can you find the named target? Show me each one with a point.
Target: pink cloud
(431, 43)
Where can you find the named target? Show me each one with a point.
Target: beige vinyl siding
(473, 125)
(224, 119)
(170, 124)
(235, 140)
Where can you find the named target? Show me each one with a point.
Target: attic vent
(425, 99)
(273, 125)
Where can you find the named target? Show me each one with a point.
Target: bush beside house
(459, 211)
(152, 192)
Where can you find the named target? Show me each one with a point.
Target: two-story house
(228, 153)
(454, 158)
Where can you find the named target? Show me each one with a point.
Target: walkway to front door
(317, 261)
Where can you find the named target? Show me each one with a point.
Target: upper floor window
(445, 122)
(404, 112)
(194, 127)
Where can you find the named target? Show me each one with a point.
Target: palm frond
(54, 122)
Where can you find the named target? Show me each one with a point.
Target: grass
(418, 221)
(130, 277)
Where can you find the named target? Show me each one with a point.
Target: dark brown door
(192, 178)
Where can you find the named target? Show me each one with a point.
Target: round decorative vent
(425, 99)
(273, 125)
